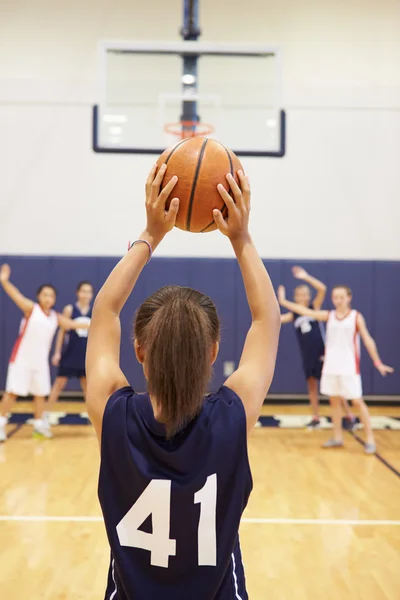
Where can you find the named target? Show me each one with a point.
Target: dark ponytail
(176, 328)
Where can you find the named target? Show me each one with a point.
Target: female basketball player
(174, 455)
(28, 370)
(70, 359)
(341, 371)
(311, 341)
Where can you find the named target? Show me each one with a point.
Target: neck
(83, 305)
(343, 311)
(156, 409)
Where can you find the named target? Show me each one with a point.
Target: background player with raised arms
(310, 336)
(29, 369)
(174, 453)
(341, 371)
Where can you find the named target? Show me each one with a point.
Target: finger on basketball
(164, 195)
(155, 186)
(235, 189)
(220, 221)
(150, 179)
(245, 187)
(226, 197)
(173, 210)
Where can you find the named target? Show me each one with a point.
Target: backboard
(151, 94)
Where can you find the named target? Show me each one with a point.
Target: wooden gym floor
(319, 525)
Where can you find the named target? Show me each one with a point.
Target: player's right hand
(281, 294)
(384, 369)
(236, 225)
(299, 272)
(5, 272)
(56, 359)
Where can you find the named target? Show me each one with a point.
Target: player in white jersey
(29, 370)
(341, 371)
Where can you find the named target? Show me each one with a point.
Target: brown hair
(343, 287)
(177, 327)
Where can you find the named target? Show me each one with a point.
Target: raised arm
(321, 288)
(67, 324)
(370, 345)
(287, 318)
(103, 372)
(318, 315)
(20, 300)
(67, 312)
(252, 379)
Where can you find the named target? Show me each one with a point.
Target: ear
(214, 352)
(138, 352)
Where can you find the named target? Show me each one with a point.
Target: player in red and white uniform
(29, 370)
(341, 371)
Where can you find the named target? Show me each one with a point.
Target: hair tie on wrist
(142, 242)
(378, 363)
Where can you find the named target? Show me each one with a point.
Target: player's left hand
(56, 359)
(281, 294)
(384, 369)
(160, 220)
(5, 272)
(299, 272)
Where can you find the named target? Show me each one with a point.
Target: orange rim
(188, 129)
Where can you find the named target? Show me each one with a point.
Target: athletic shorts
(70, 372)
(23, 380)
(313, 370)
(343, 386)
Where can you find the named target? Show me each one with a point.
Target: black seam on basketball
(175, 148)
(229, 156)
(225, 208)
(196, 176)
(223, 211)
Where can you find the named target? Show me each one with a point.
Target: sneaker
(3, 423)
(41, 430)
(333, 444)
(370, 448)
(315, 423)
(350, 423)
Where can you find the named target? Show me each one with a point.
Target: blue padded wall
(376, 289)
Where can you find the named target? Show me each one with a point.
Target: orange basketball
(200, 165)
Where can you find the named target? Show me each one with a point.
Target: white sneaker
(3, 423)
(42, 430)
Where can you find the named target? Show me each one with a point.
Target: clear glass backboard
(147, 101)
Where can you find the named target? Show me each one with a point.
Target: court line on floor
(377, 455)
(13, 431)
(254, 520)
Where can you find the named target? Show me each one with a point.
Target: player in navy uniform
(311, 339)
(70, 348)
(175, 476)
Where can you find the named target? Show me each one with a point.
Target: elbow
(276, 317)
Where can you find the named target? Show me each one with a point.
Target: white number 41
(156, 501)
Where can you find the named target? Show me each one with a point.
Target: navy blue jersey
(172, 508)
(310, 336)
(74, 352)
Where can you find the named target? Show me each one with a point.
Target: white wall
(335, 195)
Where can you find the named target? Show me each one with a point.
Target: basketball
(200, 164)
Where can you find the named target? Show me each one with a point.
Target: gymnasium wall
(221, 279)
(335, 194)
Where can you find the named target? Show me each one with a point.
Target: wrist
(378, 363)
(153, 239)
(240, 241)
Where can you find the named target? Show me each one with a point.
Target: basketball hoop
(188, 129)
